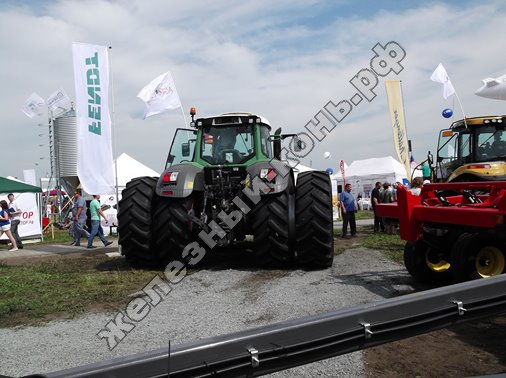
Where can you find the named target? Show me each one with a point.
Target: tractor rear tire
(135, 222)
(272, 244)
(424, 265)
(476, 256)
(314, 223)
(172, 229)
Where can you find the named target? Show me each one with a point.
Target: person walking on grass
(96, 228)
(79, 218)
(5, 224)
(15, 217)
(348, 209)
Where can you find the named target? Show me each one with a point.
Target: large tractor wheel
(274, 228)
(426, 264)
(314, 224)
(476, 256)
(134, 222)
(171, 227)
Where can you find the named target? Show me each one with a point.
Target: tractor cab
(227, 139)
(472, 149)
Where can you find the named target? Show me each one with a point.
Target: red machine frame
(448, 204)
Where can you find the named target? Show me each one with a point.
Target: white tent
(128, 168)
(363, 174)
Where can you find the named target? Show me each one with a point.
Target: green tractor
(225, 182)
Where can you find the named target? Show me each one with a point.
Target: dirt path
(469, 349)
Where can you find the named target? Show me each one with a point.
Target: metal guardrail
(296, 342)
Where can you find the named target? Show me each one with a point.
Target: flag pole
(461, 108)
(114, 146)
(181, 105)
(182, 111)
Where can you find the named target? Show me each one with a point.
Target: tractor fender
(284, 173)
(188, 178)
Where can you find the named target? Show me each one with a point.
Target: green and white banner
(94, 151)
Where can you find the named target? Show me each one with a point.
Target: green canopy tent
(12, 186)
(30, 228)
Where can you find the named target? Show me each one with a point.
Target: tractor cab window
(265, 142)
(491, 144)
(182, 148)
(227, 144)
(465, 151)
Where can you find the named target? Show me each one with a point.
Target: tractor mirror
(297, 145)
(185, 149)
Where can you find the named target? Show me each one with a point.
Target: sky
(284, 60)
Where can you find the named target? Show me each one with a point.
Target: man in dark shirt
(375, 199)
(348, 209)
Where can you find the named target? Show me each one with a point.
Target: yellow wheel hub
(490, 262)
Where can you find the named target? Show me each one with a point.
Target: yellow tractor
(472, 149)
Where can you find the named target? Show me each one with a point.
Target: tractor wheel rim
(490, 262)
(439, 266)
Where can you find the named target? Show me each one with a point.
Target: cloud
(282, 59)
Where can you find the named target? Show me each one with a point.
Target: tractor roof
(230, 119)
(479, 121)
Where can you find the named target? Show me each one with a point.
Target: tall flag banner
(440, 76)
(33, 105)
(58, 100)
(160, 95)
(94, 151)
(493, 88)
(396, 109)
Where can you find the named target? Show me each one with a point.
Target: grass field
(63, 288)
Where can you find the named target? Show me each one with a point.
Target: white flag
(440, 76)
(33, 105)
(94, 150)
(58, 99)
(160, 95)
(493, 88)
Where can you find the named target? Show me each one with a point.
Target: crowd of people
(10, 215)
(79, 218)
(382, 193)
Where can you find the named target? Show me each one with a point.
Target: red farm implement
(454, 231)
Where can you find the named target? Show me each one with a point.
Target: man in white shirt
(15, 217)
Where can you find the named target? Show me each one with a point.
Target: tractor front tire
(314, 223)
(135, 224)
(424, 264)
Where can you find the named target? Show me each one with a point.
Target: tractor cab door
(447, 154)
(455, 148)
(182, 148)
